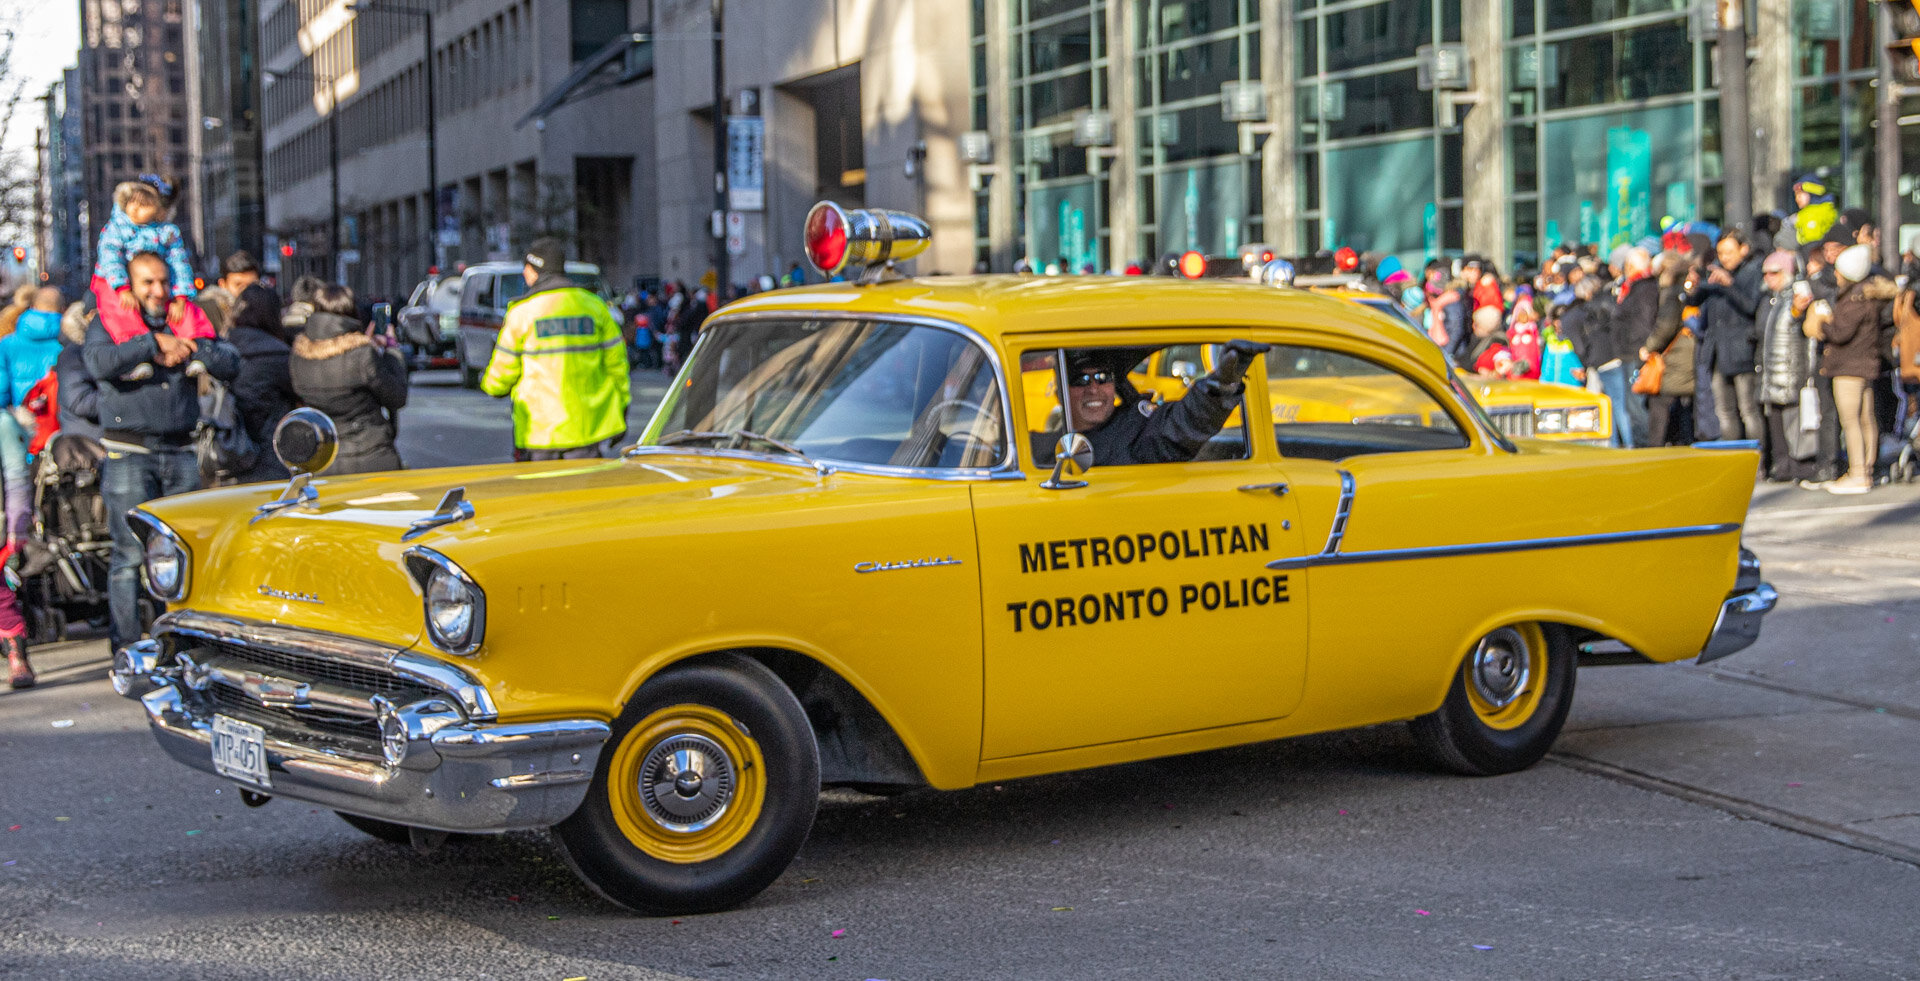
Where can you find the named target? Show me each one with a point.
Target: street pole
(1736, 132)
(722, 263)
(1887, 143)
(333, 164)
(433, 154)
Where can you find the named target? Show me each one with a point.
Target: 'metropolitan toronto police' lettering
(1187, 543)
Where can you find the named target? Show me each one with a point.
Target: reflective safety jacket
(560, 355)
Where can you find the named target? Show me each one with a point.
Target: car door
(1140, 604)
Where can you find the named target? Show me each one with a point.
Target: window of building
(1619, 66)
(1377, 33)
(1377, 197)
(594, 23)
(1609, 178)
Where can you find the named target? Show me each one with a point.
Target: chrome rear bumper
(1738, 625)
(432, 766)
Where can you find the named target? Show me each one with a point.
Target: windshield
(851, 391)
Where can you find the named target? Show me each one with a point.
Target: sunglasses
(1082, 379)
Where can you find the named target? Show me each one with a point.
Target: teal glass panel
(1377, 198)
(1063, 229)
(1610, 179)
(1201, 207)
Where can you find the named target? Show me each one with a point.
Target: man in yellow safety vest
(562, 359)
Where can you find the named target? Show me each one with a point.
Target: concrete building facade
(501, 179)
(224, 128)
(133, 104)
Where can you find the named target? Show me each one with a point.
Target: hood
(321, 326)
(344, 554)
(329, 346)
(38, 325)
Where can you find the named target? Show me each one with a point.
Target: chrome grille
(309, 667)
(1512, 422)
(358, 737)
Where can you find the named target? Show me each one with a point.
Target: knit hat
(1391, 272)
(548, 255)
(1855, 264)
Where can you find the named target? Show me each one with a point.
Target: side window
(478, 292)
(1127, 400)
(1329, 406)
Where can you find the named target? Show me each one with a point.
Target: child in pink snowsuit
(139, 225)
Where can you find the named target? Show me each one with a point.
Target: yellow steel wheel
(1505, 674)
(687, 784)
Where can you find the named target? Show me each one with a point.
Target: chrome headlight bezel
(429, 570)
(1550, 421)
(157, 543)
(1583, 419)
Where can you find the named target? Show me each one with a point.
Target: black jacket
(79, 394)
(1140, 432)
(263, 393)
(1728, 335)
(1587, 325)
(162, 408)
(337, 369)
(1634, 316)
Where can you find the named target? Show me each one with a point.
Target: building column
(1123, 169)
(1000, 205)
(1483, 133)
(1770, 104)
(1279, 163)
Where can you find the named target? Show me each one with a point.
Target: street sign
(1443, 66)
(736, 233)
(1243, 102)
(976, 147)
(746, 163)
(350, 256)
(1093, 127)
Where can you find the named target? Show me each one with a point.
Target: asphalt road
(1757, 818)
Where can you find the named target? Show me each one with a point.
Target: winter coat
(1906, 338)
(263, 393)
(79, 393)
(157, 408)
(1587, 326)
(1785, 356)
(337, 369)
(1634, 315)
(562, 359)
(121, 240)
(27, 354)
(1726, 319)
(1853, 333)
(1671, 336)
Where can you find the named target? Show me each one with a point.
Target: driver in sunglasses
(1127, 428)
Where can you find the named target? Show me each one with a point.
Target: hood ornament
(454, 507)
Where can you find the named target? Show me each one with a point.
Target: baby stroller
(64, 569)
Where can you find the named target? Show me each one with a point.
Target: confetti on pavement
(1482, 946)
(63, 723)
(839, 933)
(1422, 912)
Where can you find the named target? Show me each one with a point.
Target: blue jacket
(27, 354)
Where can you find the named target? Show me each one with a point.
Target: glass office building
(1606, 114)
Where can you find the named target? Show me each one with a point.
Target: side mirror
(306, 441)
(1186, 371)
(1072, 457)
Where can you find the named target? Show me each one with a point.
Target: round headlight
(1585, 420)
(166, 567)
(450, 608)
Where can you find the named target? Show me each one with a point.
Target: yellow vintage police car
(881, 577)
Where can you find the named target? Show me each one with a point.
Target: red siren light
(1345, 259)
(865, 239)
(1193, 265)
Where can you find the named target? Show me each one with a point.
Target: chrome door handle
(1278, 490)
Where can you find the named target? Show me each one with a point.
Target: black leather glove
(1235, 356)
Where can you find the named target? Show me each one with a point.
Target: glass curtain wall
(1058, 63)
(1196, 190)
(1380, 168)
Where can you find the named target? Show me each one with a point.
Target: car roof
(999, 305)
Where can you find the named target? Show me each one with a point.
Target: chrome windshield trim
(1007, 469)
(1493, 548)
(825, 468)
(449, 678)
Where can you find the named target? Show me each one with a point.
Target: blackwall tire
(1506, 704)
(703, 795)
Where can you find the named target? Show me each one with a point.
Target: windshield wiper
(736, 439)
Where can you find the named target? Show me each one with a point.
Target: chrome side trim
(1492, 548)
(1007, 469)
(1341, 512)
(1728, 444)
(472, 696)
(145, 525)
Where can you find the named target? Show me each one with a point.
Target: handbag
(1654, 369)
(1809, 407)
(220, 441)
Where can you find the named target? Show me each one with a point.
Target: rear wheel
(704, 794)
(1506, 704)
(469, 376)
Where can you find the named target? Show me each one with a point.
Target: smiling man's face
(1090, 395)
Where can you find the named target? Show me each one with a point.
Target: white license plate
(240, 751)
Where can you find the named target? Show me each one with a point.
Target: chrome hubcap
(686, 782)
(1501, 667)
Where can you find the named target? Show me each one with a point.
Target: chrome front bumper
(1738, 625)
(435, 767)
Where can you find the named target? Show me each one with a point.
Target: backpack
(220, 439)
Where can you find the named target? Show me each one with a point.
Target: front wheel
(1506, 704)
(704, 794)
(469, 375)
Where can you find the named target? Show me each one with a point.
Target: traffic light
(286, 249)
(1904, 53)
